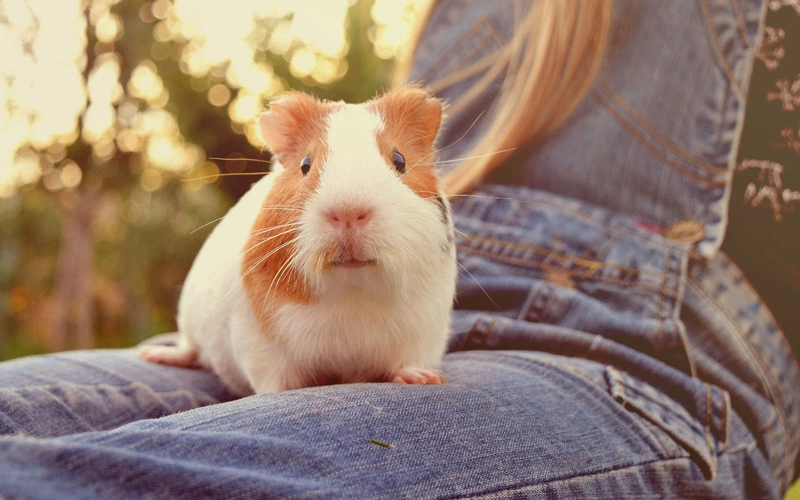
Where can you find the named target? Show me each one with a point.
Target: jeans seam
(510, 489)
(769, 387)
(653, 149)
(740, 24)
(695, 425)
(589, 263)
(527, 264)
(590, 383)
(707, 433)
(660, 307)
(740, 93)
(605, 225)
(657, 136)
(613, 236)
(675, 452)
(725, 403)
(97, 386)
(646, 423)
(533, 294)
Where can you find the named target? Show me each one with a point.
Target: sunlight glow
(44, 100)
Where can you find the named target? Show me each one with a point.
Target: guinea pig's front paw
(411, 375)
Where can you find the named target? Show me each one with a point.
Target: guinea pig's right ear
(289, 120)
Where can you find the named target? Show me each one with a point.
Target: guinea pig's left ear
(291, 117)
(414, 112)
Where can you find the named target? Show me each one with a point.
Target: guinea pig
(338, 266)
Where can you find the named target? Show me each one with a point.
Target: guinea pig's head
(357, 194)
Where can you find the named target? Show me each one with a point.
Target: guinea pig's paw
(169, 355)
(411, 375)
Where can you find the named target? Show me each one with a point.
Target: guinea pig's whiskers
(449, 145)
(274, 228)
(263, 241)
(274, 207)
(464, 134)
(464, 235)
(257, 160)
(276, 280)
(435, 195)
(288, 208)
(454, 160)
(479, 285)
(227, 174)
(260, 261)
(286, 173)
(207, 224)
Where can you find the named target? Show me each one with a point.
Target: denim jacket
(605, 238)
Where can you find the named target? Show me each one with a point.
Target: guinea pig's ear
(289, 121)
(414, 112)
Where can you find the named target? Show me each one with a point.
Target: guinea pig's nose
(348, 217)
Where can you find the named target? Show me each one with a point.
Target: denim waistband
(547, 273)
(547, 259)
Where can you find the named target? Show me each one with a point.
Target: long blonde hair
(549, 64)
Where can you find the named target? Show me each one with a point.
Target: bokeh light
(127, 125)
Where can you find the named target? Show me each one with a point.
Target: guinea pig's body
(338, 266)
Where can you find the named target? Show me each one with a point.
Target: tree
(98, 220)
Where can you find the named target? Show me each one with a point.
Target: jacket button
(685, 231)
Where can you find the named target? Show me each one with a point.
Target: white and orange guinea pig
(338, 266)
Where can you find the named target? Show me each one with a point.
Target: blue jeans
(598, 350)
(583, 382)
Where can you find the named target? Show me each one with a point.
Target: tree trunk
(72, 286)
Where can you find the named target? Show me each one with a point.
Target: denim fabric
(507, 423)
(660, 126)
(592, 355)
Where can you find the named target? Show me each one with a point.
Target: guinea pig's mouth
(353, 263)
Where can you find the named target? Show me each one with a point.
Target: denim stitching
(527, 264)
(640, 421)
(559, 256)
(740, 24)
(707, 433)
(718, 51)
(725, 402)
(646, 143)
(660, 306)
(625, 402)
(515, 212)
(678, 333)
(192, 395)
(581, 477)
(646, 240)
(764, 379)
(592, 269)
(551, 290)
(657, 136)
(675, 453)
(692, 423)
(529, 303)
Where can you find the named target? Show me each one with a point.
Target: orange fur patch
(294, 128)
(411, 119)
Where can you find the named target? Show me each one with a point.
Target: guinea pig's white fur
(351, 302)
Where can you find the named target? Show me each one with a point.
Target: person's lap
(505, 422)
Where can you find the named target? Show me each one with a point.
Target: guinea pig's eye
(399, 162)
(305, 165)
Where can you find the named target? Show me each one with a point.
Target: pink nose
(348, 217)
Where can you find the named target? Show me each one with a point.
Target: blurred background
(119, 120)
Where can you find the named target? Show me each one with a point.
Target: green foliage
(133, 220)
